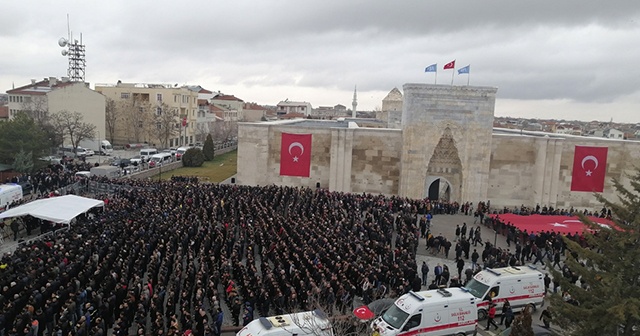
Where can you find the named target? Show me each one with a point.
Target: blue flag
(464, 70)
(431, 68)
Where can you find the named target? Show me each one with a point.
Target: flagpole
(435, 81)
(468, 77)
(452, 74)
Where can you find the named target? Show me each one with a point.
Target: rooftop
(42, 87)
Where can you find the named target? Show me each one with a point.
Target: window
(124, 95)
(140, 124)
(159, 125)
(20, 99)
(159, 97)
(413, 322)
(159, 111)
(395, 317)
(141, 109)
(495, 291)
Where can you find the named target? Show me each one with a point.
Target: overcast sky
(569, 59)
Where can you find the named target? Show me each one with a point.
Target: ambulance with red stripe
(522, 286)
(451, 311)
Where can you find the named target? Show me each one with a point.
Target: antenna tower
(75, 51)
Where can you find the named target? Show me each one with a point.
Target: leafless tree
(315, 322)
(37, 108)
(202, 129)
(111, 113)
(72, 126)
(225, 130)
(165, 120)
(136, 117)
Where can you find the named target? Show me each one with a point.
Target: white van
(146, 153)
(437, 312)
(306, 323)
(180, 152)
(522, 286)
(160, 159)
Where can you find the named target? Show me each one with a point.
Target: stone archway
(445, 168)
(438, 189)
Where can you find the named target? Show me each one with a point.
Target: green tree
(22, 134)
(208, 149)
(23, 162)
(193, 157)
(607, 299)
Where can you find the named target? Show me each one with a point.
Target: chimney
(53, 81)
(33, 81)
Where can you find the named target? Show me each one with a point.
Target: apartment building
(232, 106)
(140, 107)
(286, 107)
(52, 95)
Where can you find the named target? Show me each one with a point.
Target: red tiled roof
(202, 90)
(227, 97)
(214, 109)
(4, 111)
(203, 102)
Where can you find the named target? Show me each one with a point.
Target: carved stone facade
(446, 136)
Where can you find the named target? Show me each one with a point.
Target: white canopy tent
(61, 209)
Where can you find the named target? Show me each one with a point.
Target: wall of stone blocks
(511, 175)
(259, 155)
(537, 170)
(622, 158)
(375, 161)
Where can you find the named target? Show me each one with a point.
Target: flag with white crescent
(589, 169)
(363, 313)
(295, 155)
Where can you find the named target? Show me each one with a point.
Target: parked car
(89, 152)
(137, 159)
(170, 151)
(51, 159)
(121, 162)
(27, 188)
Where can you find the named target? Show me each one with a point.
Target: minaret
(354, 104)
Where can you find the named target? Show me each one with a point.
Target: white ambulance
(522, 286)
(9, 193)
(309, 323)
(439, 312)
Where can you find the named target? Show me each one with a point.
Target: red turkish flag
(589, 169)
(295, 155)
(450, 65)
(364, 313)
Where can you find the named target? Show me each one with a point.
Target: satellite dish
(64, 53)
(62, 42)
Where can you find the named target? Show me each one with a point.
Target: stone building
(439, 143)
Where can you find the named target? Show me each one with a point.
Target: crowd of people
(162, 257)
